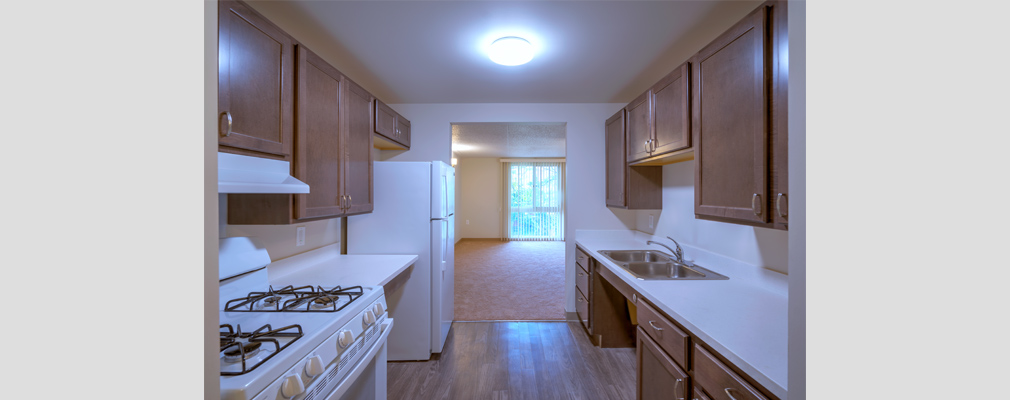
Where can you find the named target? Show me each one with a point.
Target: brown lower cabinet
(659, 376)
(711, 378)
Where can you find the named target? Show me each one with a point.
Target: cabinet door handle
(728, 390)
(755, 204)
(653, 143)
(646, 146)
(677, 385)
(350, 201)
(778, 205)
(579, 299)
(227, 132)
(654, 326)
(582, 274)
(634, 298)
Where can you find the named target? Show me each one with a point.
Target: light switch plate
(300, 237)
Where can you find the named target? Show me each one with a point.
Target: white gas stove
(310, 342)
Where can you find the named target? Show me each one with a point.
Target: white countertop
(326, 265)
(744, 318)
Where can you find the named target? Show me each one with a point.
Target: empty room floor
(509, 280)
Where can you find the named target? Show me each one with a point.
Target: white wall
(431, 139)
(767, 248)
(480, 198)
(280, 240)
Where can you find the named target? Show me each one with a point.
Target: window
(535, 200)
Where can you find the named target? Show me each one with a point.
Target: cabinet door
(639, 134)
(317, 156)
(255, 78)
(730, 123)
(357, 139)
(385, 120)
(615, 160)
(673, 113)
(659, 377)
(403, 131)
(779, 174)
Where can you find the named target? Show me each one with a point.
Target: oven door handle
(358, 368)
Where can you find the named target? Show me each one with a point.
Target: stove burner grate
(314, 299)
(238, 346)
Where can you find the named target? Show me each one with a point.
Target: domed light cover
(511, 50)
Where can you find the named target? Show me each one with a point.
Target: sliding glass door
(534, 195)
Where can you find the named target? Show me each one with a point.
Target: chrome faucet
(678, 254)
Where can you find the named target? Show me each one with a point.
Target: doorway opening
(510, 217)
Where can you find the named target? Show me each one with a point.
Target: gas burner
(292, 299)
(243, 352)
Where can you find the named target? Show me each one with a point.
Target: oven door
(367, 379)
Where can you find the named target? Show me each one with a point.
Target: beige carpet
(509, 281)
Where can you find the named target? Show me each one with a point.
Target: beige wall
(480, 198)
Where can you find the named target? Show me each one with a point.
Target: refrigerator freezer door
(442, 197)
(442, 278)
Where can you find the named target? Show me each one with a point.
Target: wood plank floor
(517, 360)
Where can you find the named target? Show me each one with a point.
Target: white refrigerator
(413, 214)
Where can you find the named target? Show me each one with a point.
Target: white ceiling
(433, 51)
(517, 140)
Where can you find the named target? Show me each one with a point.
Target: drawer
(582, 309)
(582, 280)
(581, 258)
(719, 381)
(672, 339)
(699, 394)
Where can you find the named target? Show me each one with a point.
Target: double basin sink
(655, 265)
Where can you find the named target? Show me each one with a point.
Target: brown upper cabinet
(392, 129)
(627, 186)
(334, 146)
(660, 131)
(333, 152)
(255, 78)
(739, 122)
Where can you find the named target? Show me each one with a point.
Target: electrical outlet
(300, 236)
(468, 222)
(651, 220)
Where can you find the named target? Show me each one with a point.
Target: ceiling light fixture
(511, 50)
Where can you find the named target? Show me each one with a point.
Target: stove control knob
(292, 386)
(377, 308)
(314, 366)
(345, 338)
(369, 318)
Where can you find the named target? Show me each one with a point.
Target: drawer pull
(634, 298)
(579, 299)
(728, 390)
(778, 205)
(654, 326)
(581, 274)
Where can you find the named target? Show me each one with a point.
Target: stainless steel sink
(655, 265)
(620, 256)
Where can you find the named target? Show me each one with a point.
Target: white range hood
(244, 174)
